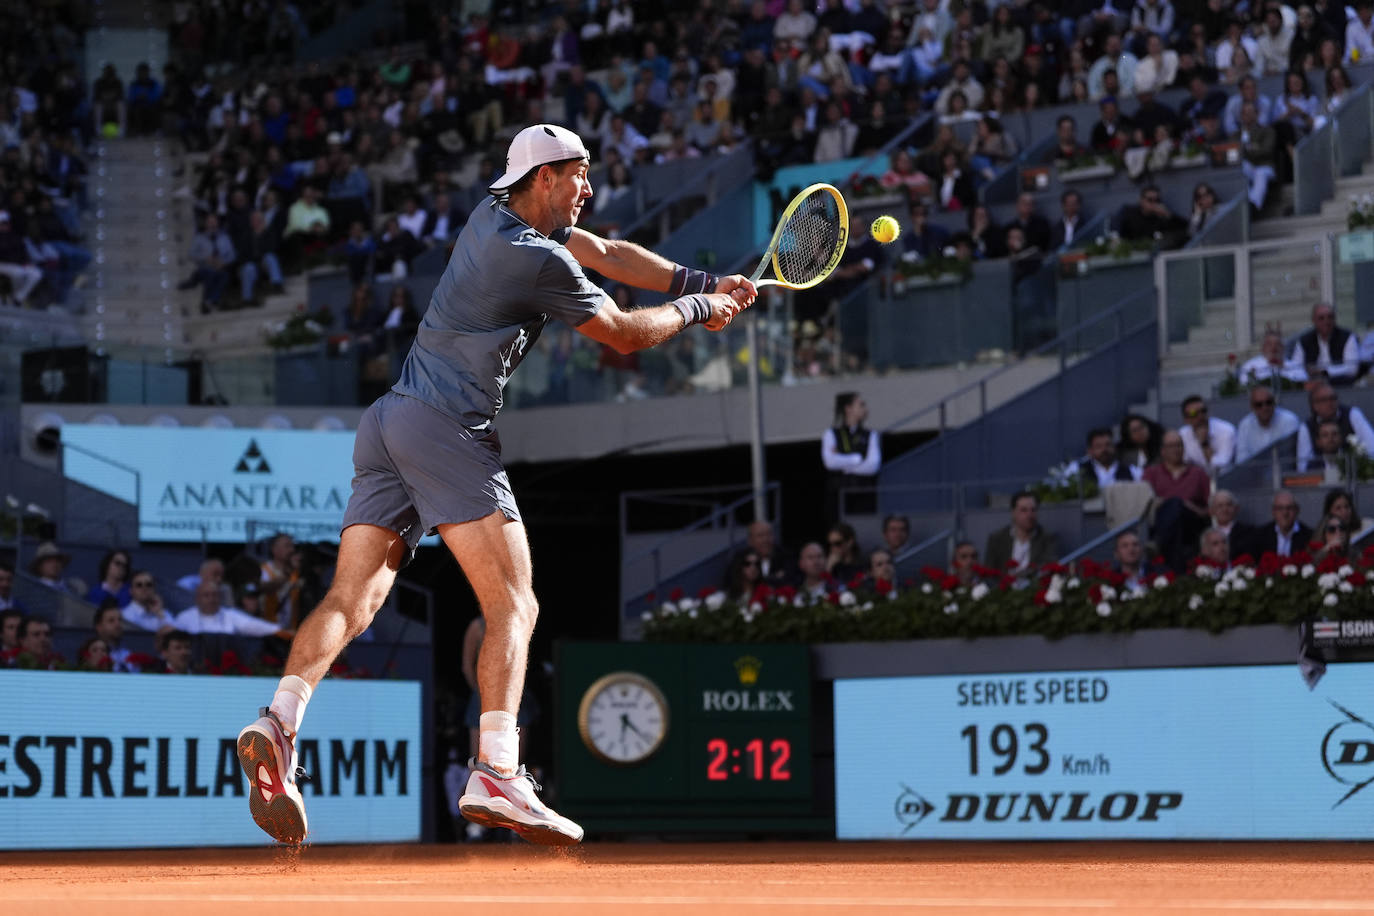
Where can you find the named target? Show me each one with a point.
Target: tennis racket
(809, 240)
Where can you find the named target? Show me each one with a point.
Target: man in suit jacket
(1287, 535)
(1223, 509)
(774, 567)
(1023, 546)
(1067, 229)
(1259, 153)
(1100, 466)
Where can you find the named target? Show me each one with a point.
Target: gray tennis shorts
(415, 468)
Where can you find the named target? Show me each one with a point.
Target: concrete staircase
(1285, 282)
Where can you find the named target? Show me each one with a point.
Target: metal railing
(1184, 284)
(1101, 540)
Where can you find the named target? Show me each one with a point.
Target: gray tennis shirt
(503, 283)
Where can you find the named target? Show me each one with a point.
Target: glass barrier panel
(1285, 282)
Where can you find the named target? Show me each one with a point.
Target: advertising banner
(1185, 753)
(125, 760)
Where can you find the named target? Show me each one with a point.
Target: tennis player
(427, 458)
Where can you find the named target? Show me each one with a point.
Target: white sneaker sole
(489, 811)
(279, 815)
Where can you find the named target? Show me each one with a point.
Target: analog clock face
(623, 718)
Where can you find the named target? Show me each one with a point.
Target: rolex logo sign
(747, 667)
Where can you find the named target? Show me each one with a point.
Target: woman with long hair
(114, 578)
(1140, 440)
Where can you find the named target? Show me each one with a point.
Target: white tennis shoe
(267, 753)
(493, 800)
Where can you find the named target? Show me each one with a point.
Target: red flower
(857, 581)
(762, 592)
(1243, 560)
(949, 583)
(706, 591)
(676, 594)
(933, 573)
(1270, 564)
(1005, 582)
(1302, 557)
(833, 598)
(1056, 569)
(882, 586)
(142, 661)
(1095, 594)
(651, 598)
(1040, 597)
(1356, 578)
(1331, 563)
(787, 593)
(984, 572)
(1160, 561)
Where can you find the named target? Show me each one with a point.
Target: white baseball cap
(536, 145)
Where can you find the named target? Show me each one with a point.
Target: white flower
(715, 601)
(799, 601)
(1221, 589)
(1194, 602)
(927, 588)
(1239, 585)
(1328, 581)
(1104, 609)
(692, 613)
(892, 595)
(755, 607)
(1269, 582)
(1289, 570)
(1203, 571)
(847, 599)
(647, 616)
(1053, 596)
(1345, 588)
(1307, 570)
(1331, 600)
(1108, 593)
(1057, 582)
(1248, 572)
(669, 608)
(866, 606)
(689, 604)
(1161, 582)
(952, 607)
(980, 591)
(1344, 571)
(1072, 583)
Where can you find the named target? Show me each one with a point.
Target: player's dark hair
(1097, 431)
(526, 180)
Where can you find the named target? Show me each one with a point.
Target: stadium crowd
(368, 163)
(248, 597)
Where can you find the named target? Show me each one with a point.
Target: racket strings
(809, 239)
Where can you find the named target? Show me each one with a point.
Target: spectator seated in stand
(926, 240)
(1214, 553)
(213, 253)
(1022, 547)
(35, 648)
(813, 582)
(1067, 149)
(1139, 441)
(1287, 535)
(10, 618)
(109, 628)
(963, 563)
(842, 560)
(742, 577)
(7, 600)
(882, 572)
(896, 534)
(1181, 493)
(1223, 509)
(48, 564)
(1269, 366)
(775, 568)
(1128, 559)
(145, 608)
(174, 649)
(1208, 442)
(1326, 351)
(1258, 152)
(15, 262)
(1327, 408)
(208, 615)
(1151, 218)
(1265, 424)
(1065, 230)
(1331, 454)
(1100, 466)
(1112, 132)
(113, 579)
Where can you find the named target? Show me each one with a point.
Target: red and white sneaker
(493, 800)
(267, 753)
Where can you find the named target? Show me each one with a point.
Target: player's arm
(638, 329)
(634, 265)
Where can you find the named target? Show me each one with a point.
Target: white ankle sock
(289, 702)
(499, 742)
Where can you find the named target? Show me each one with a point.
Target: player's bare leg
(495, 557)
(368, 559)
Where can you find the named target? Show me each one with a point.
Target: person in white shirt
(413, 218)
(1208, 442)
(145, 609)
(1327, 408)
(1269, 363)
(1101, 465)
(1265, 424)
(1359, 34)
(209, 616)
(1327, 349)
(851, 452)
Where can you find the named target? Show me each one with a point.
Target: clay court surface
(700, 878)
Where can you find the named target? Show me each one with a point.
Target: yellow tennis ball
(885, 229)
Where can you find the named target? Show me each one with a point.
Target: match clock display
(623, 718)
(659, 736)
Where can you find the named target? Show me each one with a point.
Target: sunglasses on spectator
(835, 542)
(751, 562)
(1334, 527)
(1267, 402)
(1152, 199)
(143, 583)
(1195, 412)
